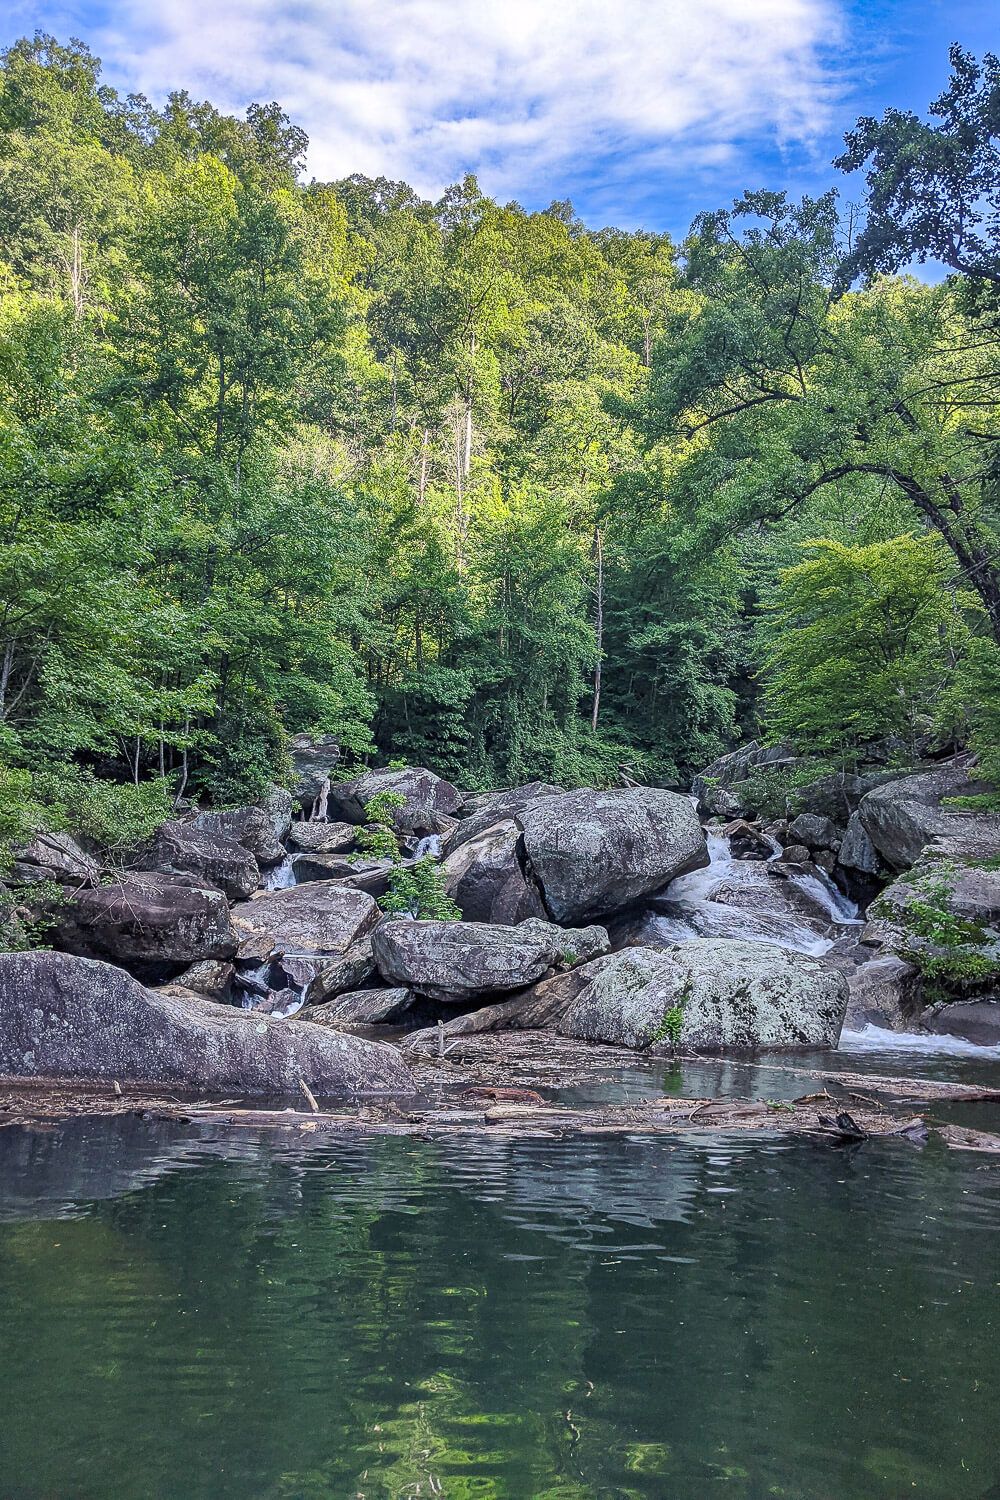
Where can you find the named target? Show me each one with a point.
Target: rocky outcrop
(721, 787)
(184, 849)
(429, 802)
(456, 961)
(317, 919)
(54, 856)
(485, 876)
(709, 995)
(595, 853)
(903, 817)
(67, 1017)
(149, 923)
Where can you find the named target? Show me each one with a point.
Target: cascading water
(759, 906)
(429, 847)
(280, 877)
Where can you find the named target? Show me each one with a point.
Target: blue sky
(642, 111)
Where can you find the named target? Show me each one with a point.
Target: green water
(188, 1316)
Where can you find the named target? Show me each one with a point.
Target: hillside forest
(476, 487)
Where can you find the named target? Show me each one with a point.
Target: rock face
(710, 994)
(320, 918)
(485, 877)
(361, 1008)
(146, 922)
(814, 830)
(430, 801)
(857, 852)
(884, 992)
(719, 788)
(184, 849)
(66, 1017)
(455, 961)
(486, 810)
(54, 856)
(594, 853)
(902, 817)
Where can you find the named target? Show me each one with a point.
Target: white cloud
(532, 94)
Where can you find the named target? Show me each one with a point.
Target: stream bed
(190, 1314)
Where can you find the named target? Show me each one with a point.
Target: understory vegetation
(472, 486)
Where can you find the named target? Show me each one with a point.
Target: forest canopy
(473, 486)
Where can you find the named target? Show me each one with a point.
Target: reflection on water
(186, 1315)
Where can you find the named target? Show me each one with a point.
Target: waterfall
(280, 877)
(429, 847)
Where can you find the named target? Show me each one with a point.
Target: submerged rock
(145, 921)
(709, 995)
(595, 853)
(68, 1017)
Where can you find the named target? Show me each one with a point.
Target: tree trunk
(598, 627)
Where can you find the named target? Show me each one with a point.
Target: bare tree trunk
(5, 670)
(76, 274)
(467, 463)
(598, 627)
(423, 466)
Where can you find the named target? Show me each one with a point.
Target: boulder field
(262, 935)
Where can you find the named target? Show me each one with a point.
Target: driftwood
(504, 1118)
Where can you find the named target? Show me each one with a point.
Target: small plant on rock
(420, 892)
(377, 840)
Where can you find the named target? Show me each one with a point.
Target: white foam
(879, 1039)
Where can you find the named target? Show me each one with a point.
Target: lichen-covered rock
(256, 828)
(456, 961)
(183, 849)
(313, 837)
(429, 802)
(573, 945)
(595, 853)
(320, 918)
(210, 977)
(720, 787)
(67, 1017)
(484, 811)
(709, 995)
(145, 922)
(485, 877)
(903, 817)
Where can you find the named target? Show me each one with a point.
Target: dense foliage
(469, 485)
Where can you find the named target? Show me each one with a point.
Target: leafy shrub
(419, 892)
(378, 840)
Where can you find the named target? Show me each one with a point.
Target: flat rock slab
(67, 1017)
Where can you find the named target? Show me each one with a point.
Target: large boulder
(595, 853)
(184, 849)
(147, 922)
(976, 1021)
(903, 817)
(317, 919)
(884, 992)
(857, 852)
(455, 961)
(313, 762)
(67, 1017)
(56, 857)
(815, 830)
(429, 802)
(362, 1008)
(485, 810)
(312, 837)
(259, 828)
(485, 877)
(710, 995)
(720, 788)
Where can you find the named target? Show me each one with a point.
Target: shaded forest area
(474, 487)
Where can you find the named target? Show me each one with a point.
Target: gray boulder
(903, 817)
(857, 852)
(312, 837)
(323, 917)
(210, 977)
(54, 856)
(430, 802)
(256, 828)
(814, 830)
(884, 992)
(67, 1017)
(975, 1021)
(362, 1008)
(710, 995)
(485, 876)
(145, 921)
(184, 849)
(456, 961)
(595, 853)
(489, 808)
(719, 788)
